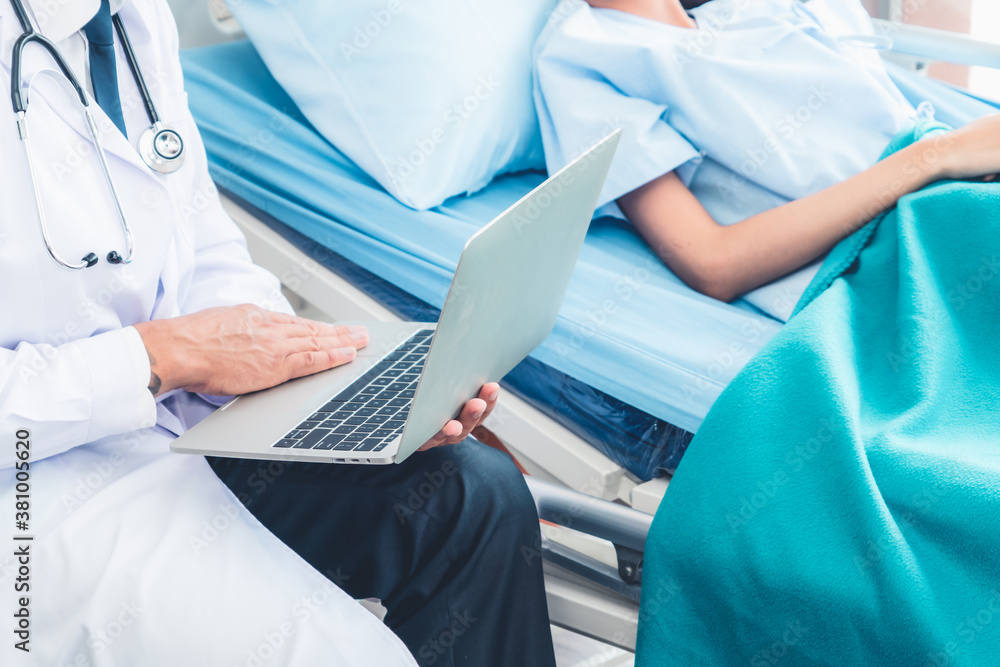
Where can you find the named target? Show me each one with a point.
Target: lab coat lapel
(51, 88)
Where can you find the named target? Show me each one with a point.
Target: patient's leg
(440, 539)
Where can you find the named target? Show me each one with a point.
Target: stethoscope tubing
(133, 66)
(19, 102)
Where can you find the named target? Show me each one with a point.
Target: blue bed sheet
(628, 327)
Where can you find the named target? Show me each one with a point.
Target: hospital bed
(607, 404)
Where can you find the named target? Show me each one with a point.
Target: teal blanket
(841, 503)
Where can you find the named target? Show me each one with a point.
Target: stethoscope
(160, 146)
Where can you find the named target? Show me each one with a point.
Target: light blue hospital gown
(765, 102)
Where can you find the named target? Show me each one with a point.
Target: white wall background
(986, 26)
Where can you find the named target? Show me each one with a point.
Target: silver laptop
(413, 377)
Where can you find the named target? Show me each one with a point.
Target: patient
(771, 114)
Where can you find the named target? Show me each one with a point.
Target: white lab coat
(140, 556)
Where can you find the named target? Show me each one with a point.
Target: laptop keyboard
(371, 412)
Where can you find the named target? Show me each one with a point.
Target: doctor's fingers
(293, 327)
(490, 394)
(309, 361)
(315, 335)
(472, 415)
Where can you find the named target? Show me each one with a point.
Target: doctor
(135, 555)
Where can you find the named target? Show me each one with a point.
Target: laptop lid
(505, 296)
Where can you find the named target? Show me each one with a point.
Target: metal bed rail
(586, 593)
(938, 45)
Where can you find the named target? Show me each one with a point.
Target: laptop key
(285, 442)
(387, 395)
(406, 394)
(409, 378)
(296, 434)
(377, 419)
(355, 437)
(365, 412)
(399, 402)
(342, 415)
(364, 380)
(355, 420)
(399, 386)
(414, 357)
(346, 445)
(384, 433)
(392, 373)
(394, 425)
(309, 424)
(388, 410)
(344, 428)
(330, 441)
(368, 445)
(366, 428)
(381, 382)
(354, 406)
(312, 438)
(376, 403)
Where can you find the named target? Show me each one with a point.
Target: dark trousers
(447, 540)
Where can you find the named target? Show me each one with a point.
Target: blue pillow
(431, 98)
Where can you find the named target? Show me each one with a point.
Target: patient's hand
(473, 414)
(974, 150)
(239, 349)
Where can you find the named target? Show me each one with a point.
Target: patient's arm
(727, 261)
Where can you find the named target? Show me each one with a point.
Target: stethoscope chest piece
(162, 148)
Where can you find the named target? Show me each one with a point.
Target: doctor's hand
(239, 349)
(473, 414)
